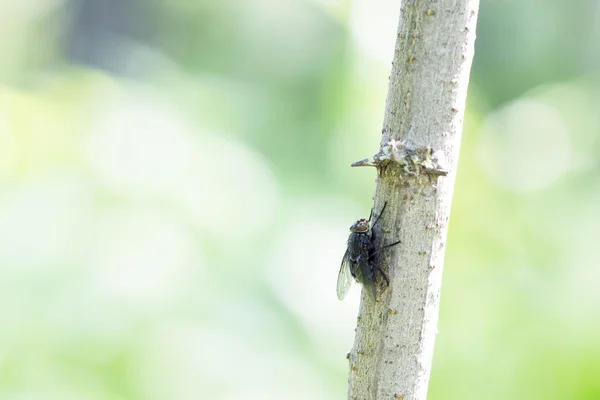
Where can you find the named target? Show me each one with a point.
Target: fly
(360, 259)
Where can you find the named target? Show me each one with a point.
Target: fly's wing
(344, 280)
(368, 280)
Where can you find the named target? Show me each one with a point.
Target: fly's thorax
(359, 244)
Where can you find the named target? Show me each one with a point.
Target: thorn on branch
(412, 161)
(363, 163)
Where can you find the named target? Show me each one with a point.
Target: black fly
(359, 261)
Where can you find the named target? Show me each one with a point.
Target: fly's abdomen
(360, 248)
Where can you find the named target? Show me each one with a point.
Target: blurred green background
(175, 196)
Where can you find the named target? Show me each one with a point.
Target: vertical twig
(393, 349)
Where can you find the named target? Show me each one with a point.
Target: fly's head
(360, 226)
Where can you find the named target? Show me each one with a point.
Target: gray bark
(393, 349)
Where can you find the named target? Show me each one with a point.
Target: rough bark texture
(393, 349)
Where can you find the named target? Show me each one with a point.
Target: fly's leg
(385, 247)
(390, 245)
(376, 221)
(379, 216)
(371, 215)
(383, 274)
(375, 265)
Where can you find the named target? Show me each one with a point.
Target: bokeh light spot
(525, 146)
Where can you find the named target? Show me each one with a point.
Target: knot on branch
(412, 161)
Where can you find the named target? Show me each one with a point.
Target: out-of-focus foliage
(175, 195)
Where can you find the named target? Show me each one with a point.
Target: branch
(393, 348)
